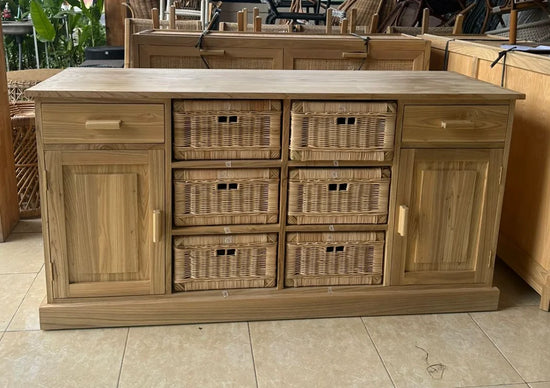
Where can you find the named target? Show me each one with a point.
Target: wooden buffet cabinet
(178, 196)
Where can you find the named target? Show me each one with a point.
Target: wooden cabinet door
(105, 210)
(446, 212)
(216, 56)
(337, 54)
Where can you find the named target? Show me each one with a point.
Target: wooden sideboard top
(275, 84)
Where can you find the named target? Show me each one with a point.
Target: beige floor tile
(26, 317)
(29, 226)
(213, 355)
(316, 353)
(440, 350)
(13, 288)
(502, 386)
(523, 335)
(513, 289)
(22, 253)
(76, 358)
(542, 384)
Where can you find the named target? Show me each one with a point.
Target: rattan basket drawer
(338, 196)
(342, 130)
(226, 196)
(227, 129)
(102, 123)
(222, 262)
(445, 124)
(332, 259)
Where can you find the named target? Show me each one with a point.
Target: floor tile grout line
(123, 355)
(378, 352)
(252, 353)
(497, 348)
(22, 300)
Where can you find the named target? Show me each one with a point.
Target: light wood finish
(288, 304)
(93, 168)
(523, 241)
(328, 21)
(101, 206)
(513, 26)
(373, 24)
(449, 194)
(9, 209)
(299, 51)
(226, 84)
(425, 20)
(353, 21)
(451, 124)
(457, 28)
(103, 123)
(172, 18)
(155, 17)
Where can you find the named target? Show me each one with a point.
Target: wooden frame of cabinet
(176, 49)
(523, 241)
(401, 291)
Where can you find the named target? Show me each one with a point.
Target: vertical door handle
(403, 220)
(157, 225)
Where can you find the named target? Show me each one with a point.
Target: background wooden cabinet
(447, 210)
(105, 210)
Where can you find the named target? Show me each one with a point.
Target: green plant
(64, 28)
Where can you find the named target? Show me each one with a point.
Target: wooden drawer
(102, 123)
(458, 123)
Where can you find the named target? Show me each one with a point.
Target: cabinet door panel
(452, 197)
(101, 234)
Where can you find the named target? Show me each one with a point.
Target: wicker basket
(26, 158)
(222, 262)
(229, 196)
(228, 129)
(21, 80)
(338, 196)
(342, 130)
(334, 259)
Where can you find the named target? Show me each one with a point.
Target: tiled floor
(508, 348)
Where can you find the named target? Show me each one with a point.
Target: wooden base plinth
(239, 305)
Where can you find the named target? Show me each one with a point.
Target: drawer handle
(348, 55)
(403, 220)
(227, 186)
(212, 53)
(338, 187)
(345, 120)
(103, 124)
(451, 124)
(157, 225)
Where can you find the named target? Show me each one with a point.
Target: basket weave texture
(342, 131)
(26, 158)
(223, 262)
(237, 129)
(338, 196)
(332, 259)
(228, 196)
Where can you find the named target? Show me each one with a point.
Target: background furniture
(9, 213)
(177, 49)
(523, 242)
(312, 195)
